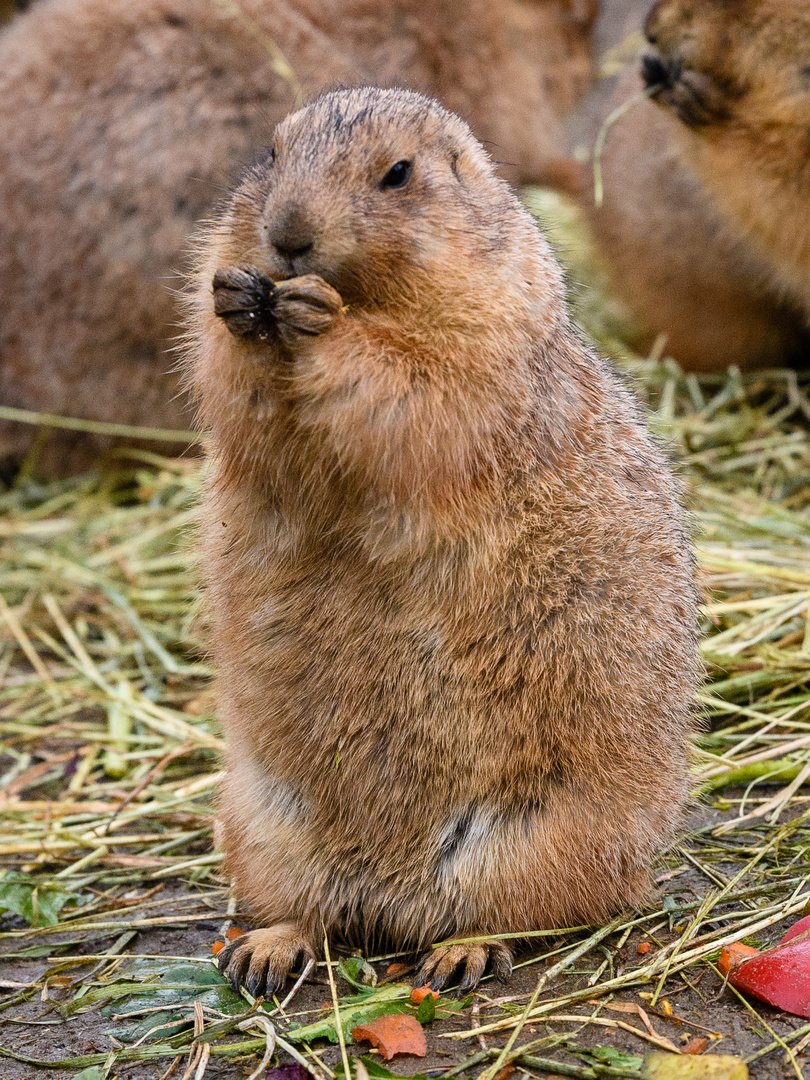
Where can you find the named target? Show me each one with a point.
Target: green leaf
(451, 1005)
(357, 971)
(350, 1019)
(378, 1071)
(389, 1000)
(179, 986)
(607, 1055)
(132, 1033)
(95, 1072)
(38, 905)
(427, 1009)
(374, 1068)
(198, 974)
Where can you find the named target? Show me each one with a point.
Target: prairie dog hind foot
(262, 959)
(471, 962)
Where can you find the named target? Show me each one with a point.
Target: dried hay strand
(106, 715)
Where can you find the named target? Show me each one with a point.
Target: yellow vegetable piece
(688, 1067)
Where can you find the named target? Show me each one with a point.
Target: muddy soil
(699, 1006)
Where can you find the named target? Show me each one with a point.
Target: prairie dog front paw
(243, 300)
(305, 307)
(255, 308)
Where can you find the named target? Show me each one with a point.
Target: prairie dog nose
(292, 233)
(657, 70)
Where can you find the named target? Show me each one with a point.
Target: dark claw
(224, 957)
(424, 972)
(442, 980)
(256, 980)
(233, 964)
(502, 965)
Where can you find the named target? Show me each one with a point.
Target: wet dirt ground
(690, 1007)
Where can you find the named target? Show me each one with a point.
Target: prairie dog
(452, 597)
(738, 79)
(703, 225)
(122, 123)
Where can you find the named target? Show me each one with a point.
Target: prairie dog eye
(398, 175)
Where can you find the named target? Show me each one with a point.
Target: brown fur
(122, 121)
(454, 615)
(704, 220)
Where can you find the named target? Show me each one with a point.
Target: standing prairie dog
(122, 122)
(452, 598)
(704, 224)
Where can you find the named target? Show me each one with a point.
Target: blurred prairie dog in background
(451, 592)
(703, 226)
(122, 122)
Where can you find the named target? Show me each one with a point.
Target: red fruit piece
(780, 976)
(800, 927)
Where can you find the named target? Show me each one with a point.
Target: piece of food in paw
(470, 962)
(242, 298)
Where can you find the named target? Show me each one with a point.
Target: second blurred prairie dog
(122, 122)
(451, 592)
(704, 224)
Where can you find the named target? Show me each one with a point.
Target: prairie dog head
(733, 64)
(382, 193)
